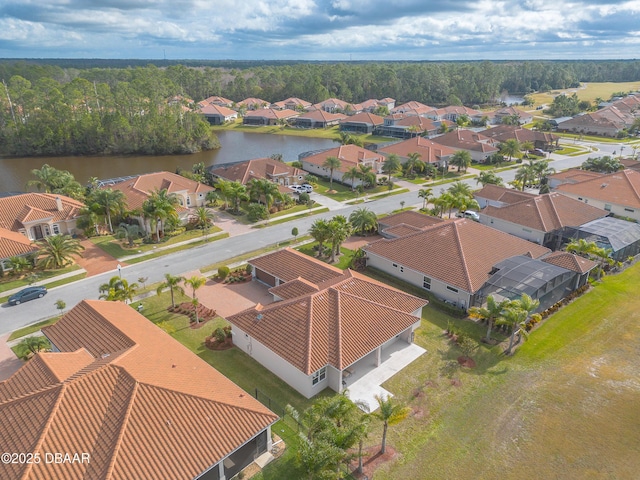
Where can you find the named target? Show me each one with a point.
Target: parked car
(307, 187)
(27, 294)
(297, 188)
(539, 151)
(469, 214)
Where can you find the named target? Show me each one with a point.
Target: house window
(188, 201)
(426, 283)
(607, 207)
(401, 269)
(629, 210)
(395, 265)
(526, 230)
(319, 376)
(56, 229)
(46, 230)
(452, 289)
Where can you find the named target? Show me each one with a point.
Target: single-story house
(452, 259)
(429, 151)
(572, 175)
(361, 123)
(274, 170)
(217, 115)
(543, 140)
(216, 100)
(479, 146)
(498, 116)
(499, 196)
(453, 112)
(323, 324)
(317, 119)
(404, 126)
(268, 116)
(335, 105)
(349, 156)
(372, 104)
(544, 219)
(39, 215)
(403, 223)
(291, 103)
(252, 103)
(620, 236)
(413, 108)
(618, 193)
(14, 244)
(130, 402)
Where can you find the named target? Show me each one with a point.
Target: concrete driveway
(229, 298)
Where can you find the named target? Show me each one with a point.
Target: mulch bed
(466, 361)
(212, 344)
(204, 314)
(372, 459)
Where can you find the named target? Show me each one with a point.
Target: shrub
(257, 211)
(223, 272)
(303, 198)
(220, 335)
(248, 269)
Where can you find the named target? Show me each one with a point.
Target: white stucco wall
(535, 236)
(616, 209)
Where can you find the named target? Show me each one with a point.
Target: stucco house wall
(533, 235)
(620, 210)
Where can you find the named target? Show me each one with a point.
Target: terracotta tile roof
(154, 411)
(570, 261)
(412, 105)
(139, 188)
(429, 150)
(547, 212)
(268, 168)
(333, 103)
(298, 102)
(409, 217)
(335, 326)
(423, 124)
(252, 102)
(364, 117)
(574, 175)
(502, 133)
(210, 109)
(502, 194)
(460, 253)
(294, 288)
(13, 244)
(467, 140)
(349, 155)
(271, 113)
(400, 230)
(288, 264)
(321, 115)
(26, 207)
(620, 188)
(216, 100)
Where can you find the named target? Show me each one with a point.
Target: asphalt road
(12, 318)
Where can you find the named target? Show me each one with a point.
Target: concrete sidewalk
(8, 293)
(9, 363)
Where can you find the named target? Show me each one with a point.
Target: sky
(320, 29)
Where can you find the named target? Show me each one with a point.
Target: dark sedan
(27, 294)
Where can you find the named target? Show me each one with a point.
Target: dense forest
(50, 107)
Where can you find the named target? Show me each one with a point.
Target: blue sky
(320, 29)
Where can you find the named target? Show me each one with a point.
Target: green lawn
(55, 283)
(9, 283)
(344, 192)
(31, 328)
(304, 213)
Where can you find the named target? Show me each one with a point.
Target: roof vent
(604, 185)
(258, 317)
(105, 355)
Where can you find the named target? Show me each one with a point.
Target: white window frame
(55, 228)
(319, 376)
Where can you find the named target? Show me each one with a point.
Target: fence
(278, 409)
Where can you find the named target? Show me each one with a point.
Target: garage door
(266, 278)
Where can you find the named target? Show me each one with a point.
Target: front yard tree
(461, 159)
(425, 195)
(413, 164)
(340, 229)
(118, 290)
(109, 202)
(159, 208)
(332, 163)
(390, 413)
(60, 305)
(203, 218)
(510, 148)
(34, 344)
(172, 282)
(488, 177)
(129, 231)
(391, 165)
(320, 232)
(363, 221)
(57, 251)
(195, 283)
(352, 174)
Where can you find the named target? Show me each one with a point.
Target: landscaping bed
(188, 309)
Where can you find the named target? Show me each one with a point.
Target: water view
(236, 147)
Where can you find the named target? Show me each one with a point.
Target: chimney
(59, 204)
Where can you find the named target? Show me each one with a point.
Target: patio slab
(365, 382)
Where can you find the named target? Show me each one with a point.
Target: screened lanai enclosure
(540, 280)
(620, 236)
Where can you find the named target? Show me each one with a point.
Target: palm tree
(352, 174)
(413, 163)
(56, 251)
(524, 176)
(542, 170)
(332, 163)
(363, 221)
(425, 195)
(109, 202)
(19, 264)
(34, 344)
(391, 165)
(488, 177)
(320, 231)
(195, 283)
(581, 247)
(129, 232)
(461, 159)
(172, 283)
(490, 313)
(159, 208)
(460, 188)
(367, 175)
(510, 147)
(118, 290)
(340, 229)
(390, 413)
(203, 218)
(515, 317)
(45, 178)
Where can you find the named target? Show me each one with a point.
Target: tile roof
(620, 188)
(139, 188)
(268, 168)
(294, 288)
(460, 253)
(502, 194)
(13, 244)
(502, 133)
(154, 410)
(321, 115)
(412, 105)
(349, 155)
(574, 175)
(336, 326)
(546, 213)
(288, 264)
(271, 113)
(27, 207)
(210, 109)
(298, 102)
(429, 150)
(409, 217)
(364, 117)
(570, 261)
(467, 140)
(216, 100)
(252, 101)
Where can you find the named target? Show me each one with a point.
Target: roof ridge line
(626, 175)
(127, 416)
(462, 253)
(553, 207)
(309, 330)
(373, 302)
(338, 321)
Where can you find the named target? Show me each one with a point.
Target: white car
(297, 188)
(307, 188)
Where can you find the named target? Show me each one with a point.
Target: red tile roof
(150, 410)
(322, 116)
(13, 244)
(467, 140)
(288, 264)
(349, 156)
(429, 150)
(547, 212)
(620, 188)
(502, 194)
(210, 109)
(570, 262)
(271, 113)
(268, 168)
(27, 207)
(460, 253)
(364, 117)
(409, 217)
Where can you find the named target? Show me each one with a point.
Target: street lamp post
(119, 267)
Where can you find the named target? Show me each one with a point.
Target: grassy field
(589, 93)
(9, 283)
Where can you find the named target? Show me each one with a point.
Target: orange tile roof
(27, 207)
(467, 140)
(152, 410)
(210, 109)
(429, 150)
(620, 188)
(504, 132)
(364, 117)
(570, 261)
(139, 189)
(268, 168)
(321, 115)
(335, 326)
(292, 101)
(410, 217)
(252, 101)
(216, 100)
(293, 288)
(13, 244)
(502, 194)
(574, 175)
(460, 253)
(412, 105)
(349, 155)
(547, 212)
(271, 113)
(288, 264)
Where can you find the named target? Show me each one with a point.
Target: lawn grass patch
(29, 329)
(293, 217)
(343, 261)
(9, 284)
(166, 251)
